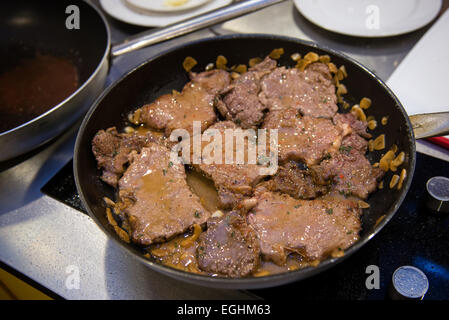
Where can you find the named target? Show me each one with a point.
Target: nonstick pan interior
(164, 73)
(30, 30)
(27, 27)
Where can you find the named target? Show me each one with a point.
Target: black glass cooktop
(413, 237)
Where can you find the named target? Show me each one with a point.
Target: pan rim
(104, 58)
(269, 280)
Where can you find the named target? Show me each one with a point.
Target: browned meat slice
(240, 102)
(350, 171)
(354, 141)
(355, 125)
(313, 228)
(354, 131)
(296, 182)
(112, 150)
(233, 181)
(212, 81)
(229, 247)
(194, 103)
(307, 139)
(311, 92)
(265, 66)
(162, 202)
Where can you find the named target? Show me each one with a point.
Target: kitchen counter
(51, 243)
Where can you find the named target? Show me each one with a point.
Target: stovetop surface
(414, 236)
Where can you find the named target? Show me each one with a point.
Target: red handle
(441, 141)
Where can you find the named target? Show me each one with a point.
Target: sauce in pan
(33, 87)
(180, 252)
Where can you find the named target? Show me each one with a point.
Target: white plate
(420, 80)
(164, 5)
(121, 11)
(369, 18)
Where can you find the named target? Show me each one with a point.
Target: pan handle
(207, 19)
(429, 125)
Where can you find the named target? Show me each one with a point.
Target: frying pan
(163, 73)
(28, 27)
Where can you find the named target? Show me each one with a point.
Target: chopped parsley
(297, 206)
(329, 211)
(345, 193)
(346, 149)
(196, 214)
(201, 251)
(170, 164)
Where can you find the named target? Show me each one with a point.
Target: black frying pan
(163, 73)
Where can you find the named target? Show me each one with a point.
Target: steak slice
(239, 102)
(306, 139)
(350, 173)
(162, 202)
(310, 92)
(354, 141)
(180, 110)
(229, 247)
(354, 131)
(212, 81)
(314, 229)
(355, 125)
(233, 181)
(296, 182)
(112, 150)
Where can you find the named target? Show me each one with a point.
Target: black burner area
(413, 237)
(62, 187)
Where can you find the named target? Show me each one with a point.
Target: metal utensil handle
(430, 124)
(180, 28)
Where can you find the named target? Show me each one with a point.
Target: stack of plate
(158, 13)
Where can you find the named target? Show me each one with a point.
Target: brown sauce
(181, 254)
(33, 87)
(203, 188)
